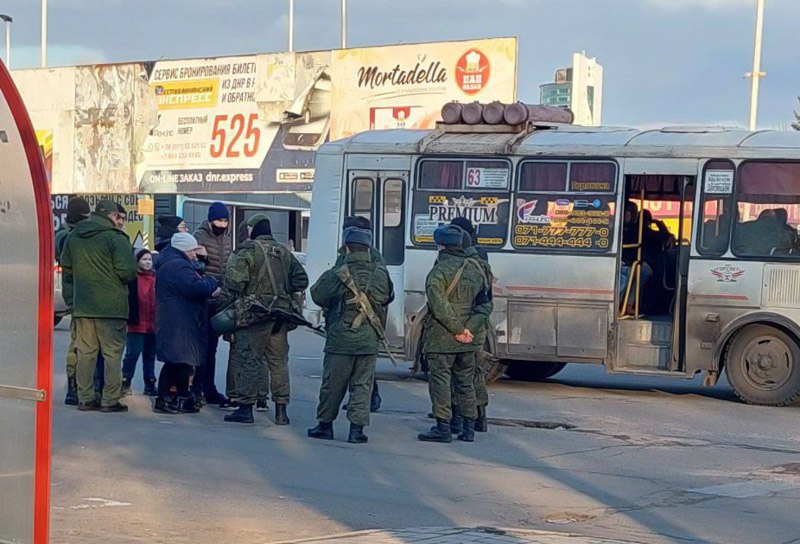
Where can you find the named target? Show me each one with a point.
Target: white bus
(719, 279)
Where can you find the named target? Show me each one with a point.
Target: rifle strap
(455, 280)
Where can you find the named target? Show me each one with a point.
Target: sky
(666, 62)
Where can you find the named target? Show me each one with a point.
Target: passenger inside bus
(769, 234)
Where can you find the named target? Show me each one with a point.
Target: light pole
(344, 24)
(7, 20)
(291, 26)
(44, 33)
(756, 74)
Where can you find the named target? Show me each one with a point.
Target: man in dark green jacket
(264, 269)
(77, 210)
(97, 263)
(350, 294)
(455, 287)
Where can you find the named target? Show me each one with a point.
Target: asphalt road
(645, 460)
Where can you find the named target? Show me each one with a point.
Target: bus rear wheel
(762, 364)
(529, 371)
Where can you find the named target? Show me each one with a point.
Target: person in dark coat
(181, 321)
(217, 245)
(167, 226)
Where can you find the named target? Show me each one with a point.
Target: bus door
(656, 243)
(380, 196)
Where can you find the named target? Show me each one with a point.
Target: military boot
(457, 421)
(72, 392)
(161, 406)
(357, 435)
(244, 414)
(438, 433)
(468, 432)
(481, 425)
(280, 414)
(187, 405)
(323, 431)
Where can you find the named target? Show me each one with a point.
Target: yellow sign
(194, 93)
(146, 206)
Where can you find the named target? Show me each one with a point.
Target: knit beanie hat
(183, 241)
(464, 224)
(356, 221)
(218, 210)
(141, 253)
(169, 221)
(355, 235)
(448, 236)
(77, 210)
(253, 221)
(262, 228)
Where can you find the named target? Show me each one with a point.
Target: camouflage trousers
(444, 369)
(259, 356)
(478, 382)
(340, 373)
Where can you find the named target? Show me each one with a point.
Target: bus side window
(717, 208)
(393, 224)
(362, 198)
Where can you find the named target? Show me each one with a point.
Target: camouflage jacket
(247, 273)
(487, 307)
(467, 307)
(331, 294)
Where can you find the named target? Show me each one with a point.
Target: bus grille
(781, 286)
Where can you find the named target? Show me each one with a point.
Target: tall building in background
(579, 88)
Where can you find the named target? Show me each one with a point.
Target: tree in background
(796, 124)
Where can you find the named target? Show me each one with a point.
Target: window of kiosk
(717, 208)
(565, 206)
(767, 211)
(478, 189)
(393, 211)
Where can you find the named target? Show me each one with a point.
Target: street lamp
(344, 24)
(7, 20)
(291, 26)
(44, 33)
(756, 74)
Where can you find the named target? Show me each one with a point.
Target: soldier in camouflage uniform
(266, 269)
(349, 294)
(456, 289)
(479, 256)
(364, 223)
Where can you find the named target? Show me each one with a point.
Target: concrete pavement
(589, 454)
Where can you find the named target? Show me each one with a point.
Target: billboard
(248, 123)
(139, 220)
(405, 86)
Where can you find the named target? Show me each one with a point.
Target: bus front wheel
(533, 372)
(762, 364)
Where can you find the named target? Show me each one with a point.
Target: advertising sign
(489, 215)
(138, 225)
(247, 123)
(564, 222)
(405, 86)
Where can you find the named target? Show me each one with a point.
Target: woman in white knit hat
(182, 318)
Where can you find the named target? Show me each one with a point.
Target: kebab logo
(526, 216)
(480, 211)
(472, 71)
(727, 273)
